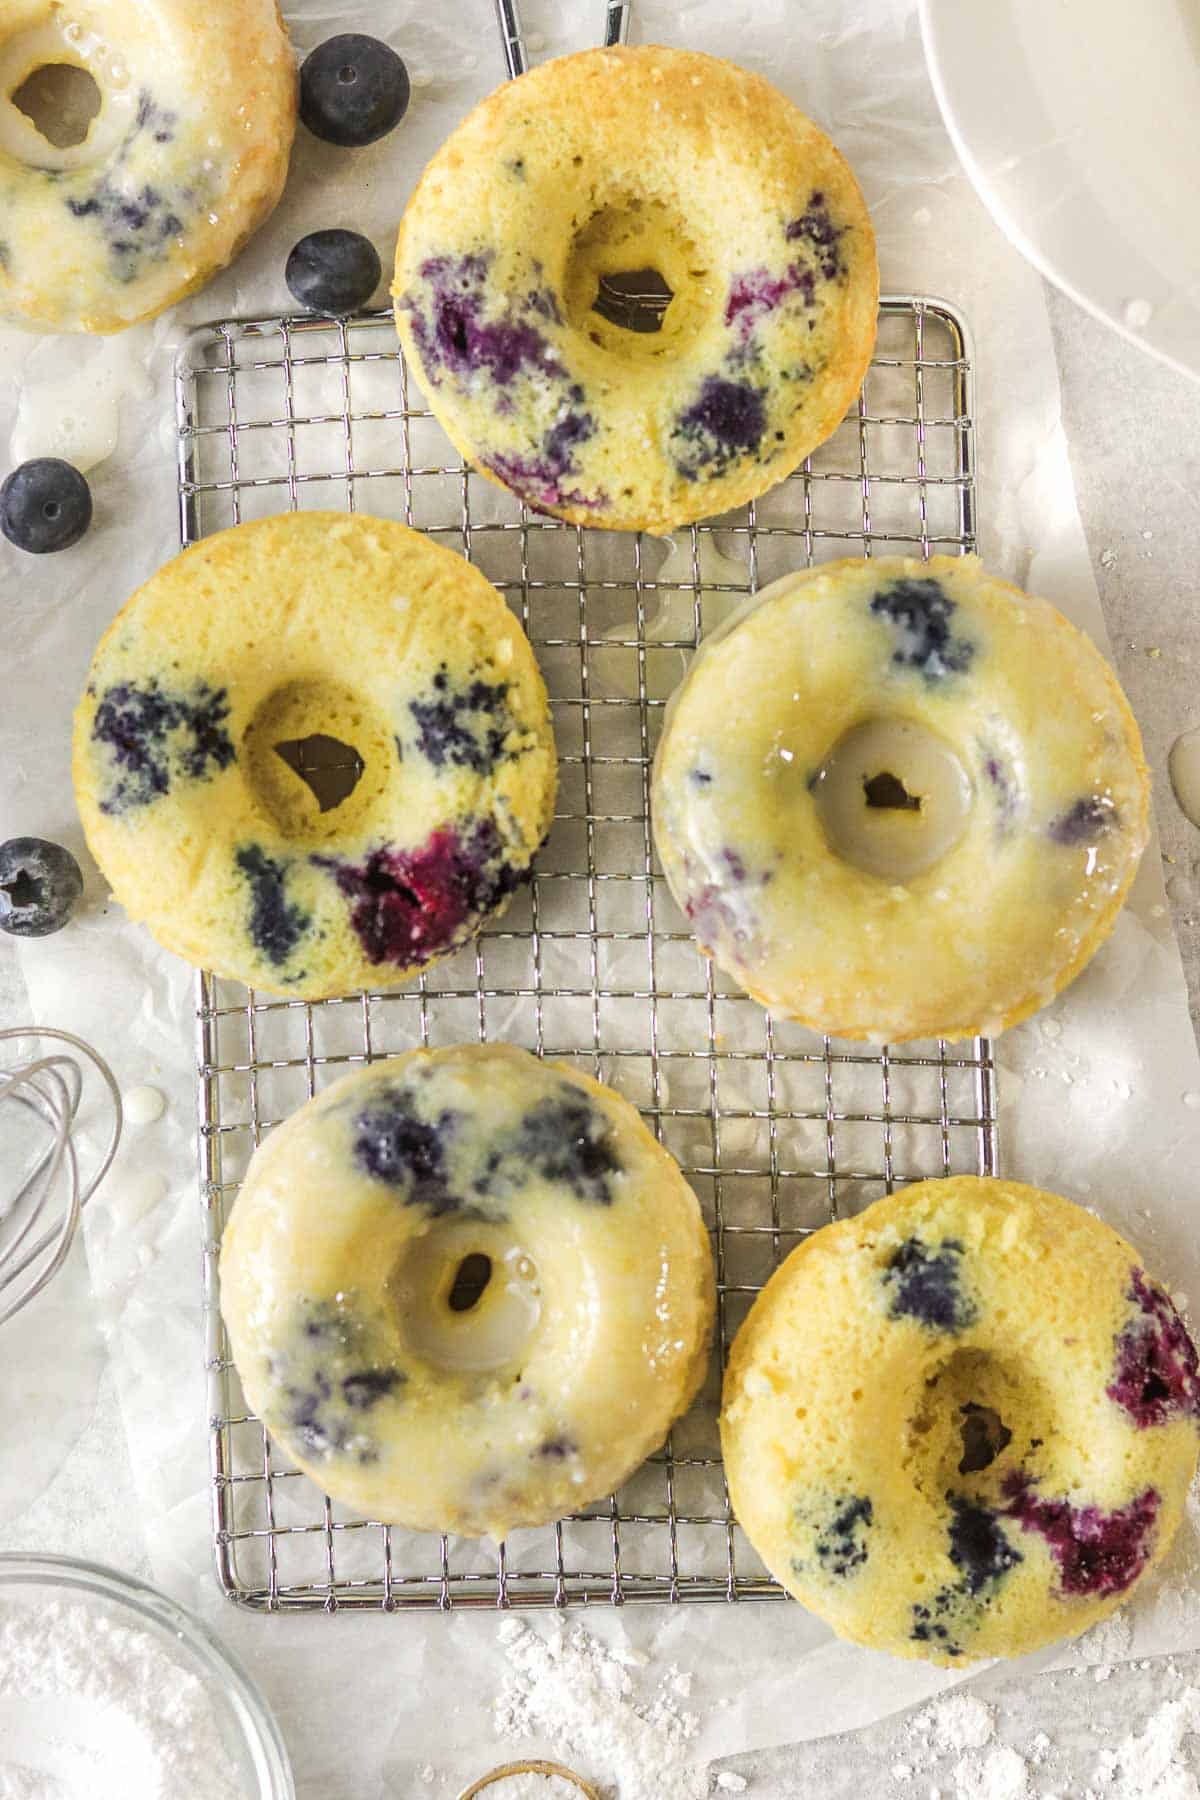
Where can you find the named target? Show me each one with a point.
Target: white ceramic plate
(1079, 123)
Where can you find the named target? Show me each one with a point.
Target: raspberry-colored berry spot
(1157, 1377)
(1097, 1552)
(408, 906)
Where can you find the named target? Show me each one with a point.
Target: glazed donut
(611, 164)
(208, 684)
(467, 1290)
(185, 158)
(962, 1424)
(899, 799)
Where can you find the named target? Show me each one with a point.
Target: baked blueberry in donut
(924, 1282)
(155, 736)
(276, 924)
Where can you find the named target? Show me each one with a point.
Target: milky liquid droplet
(130, 1197)
(1137, 313)
(709, 563)
(143, 1105)
(1192, 1099)
(76, 415)
(1184, 768)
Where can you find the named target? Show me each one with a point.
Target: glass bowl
(252, 1736)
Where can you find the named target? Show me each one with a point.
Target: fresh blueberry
(353, 90)
(333, 271)
(45, 505)
(40, 885)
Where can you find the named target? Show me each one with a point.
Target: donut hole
(636, 300)
(467, 1297)
(984, 1437)
(60, 100)
(317, 758)
(635, 280)
(893, 798)
(330, 768)
(977, 1416)
(470, 1282)
(888, 791)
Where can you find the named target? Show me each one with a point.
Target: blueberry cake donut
(185, 157)
(899, 799)
(294, 640)
(593, 176)
(962, 1424)
(467, 1290)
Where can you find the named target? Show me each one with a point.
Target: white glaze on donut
(186, 156)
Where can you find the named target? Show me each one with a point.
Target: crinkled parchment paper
(1098, 1094)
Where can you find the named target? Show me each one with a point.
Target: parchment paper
(1098, 1095)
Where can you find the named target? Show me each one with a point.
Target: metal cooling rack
(778, 1130)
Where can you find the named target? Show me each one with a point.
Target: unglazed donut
(314, 625)
(467, 1290)
(611, 163)
(900, 799)
(962, 1424)
(185, 158)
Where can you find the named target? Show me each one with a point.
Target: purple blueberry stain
(925, 1282)
(920, 612)
(979, 1545)
(333, 1373)
(137, 220)
(462, 726)
(981, 1550)
(157, 737)
(1157, 1374)
(841, 1543)
(396, 1145)
(756, 293)
(276, 924)
(929, 1625)
(724, 424)
(1002, 784)
(1087, 819)
(568, 1142)
(1097, 1553)
(409, 906)
(361, 1391)
(543, 478)
(815, 227)
(455, 335)
(557, 1449)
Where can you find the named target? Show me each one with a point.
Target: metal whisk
(39, 1220)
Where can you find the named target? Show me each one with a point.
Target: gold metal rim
(530, 1768)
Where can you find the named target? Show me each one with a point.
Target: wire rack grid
(778, 1130)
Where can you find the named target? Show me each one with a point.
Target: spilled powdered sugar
(570, 1692)
(1153, 1764)
(951, 1749)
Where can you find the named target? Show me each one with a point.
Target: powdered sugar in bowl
(109, 1690)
